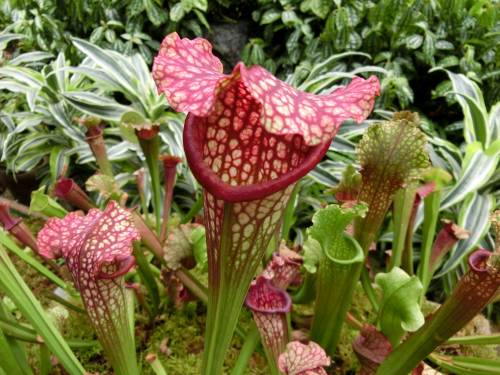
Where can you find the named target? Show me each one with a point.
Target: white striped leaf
(479, 119)
(105, 111)
(105, 60)
(29, 122)
(477, 168)
(474, 218)
(22, 75)
(59, 66)
(30, 98)
(29, 160)
(30, 57)
(465, 86)
(340, 144)
(494, 122)
(436, 160)
(58, 161)
(36, 140)
(6, 119)
(64, 121)
(350, 129)
(12, 86)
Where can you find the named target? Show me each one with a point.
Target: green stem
(307, 291)
(368, 287)
(493, 339)
(251, 343)
(45, 363)
(51, 295)
(403, 207)
(288, 218)
(156, 365)
(17, 347)
(197, 206)
(151, 149)
(431, 213)
(19, 332)
(130, 306)
(147, 278)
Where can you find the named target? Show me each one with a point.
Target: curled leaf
(106, 186)
(348, 189)
(179, 245)
(313, 253)
(399, 309)
(371, 347)
(300, 359)
(281, 270)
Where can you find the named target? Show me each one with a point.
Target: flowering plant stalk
(97, 249)
(248, 138)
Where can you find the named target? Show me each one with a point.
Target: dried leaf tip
(170, 160)
(457, 231)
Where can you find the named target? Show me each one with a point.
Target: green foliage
(406, 38)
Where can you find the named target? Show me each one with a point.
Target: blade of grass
(8, 362)
(147, 277)
(17, 331)
(493, 339)
(17, 290)
(17, 347)
(45, 364)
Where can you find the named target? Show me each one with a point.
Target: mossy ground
(185, 329)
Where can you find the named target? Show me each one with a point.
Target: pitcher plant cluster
(249, 138)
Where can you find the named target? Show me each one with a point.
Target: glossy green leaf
(270, 16)
(399, 309)
(321, 8)
(177, 12)
(474, 218)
